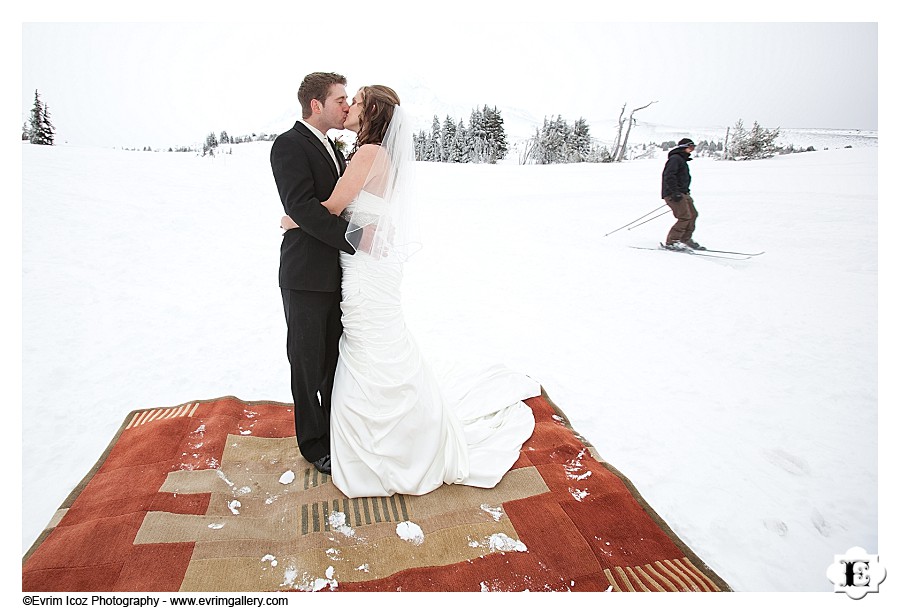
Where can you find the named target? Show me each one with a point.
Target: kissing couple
(369, 409)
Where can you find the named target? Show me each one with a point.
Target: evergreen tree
(433, 149)
(600, 154)
(553, 146)
(751, 145)
(543, 153)
(763, 141)
(421, 144)
(463, 148)
(448, 137)
(558, 142)
(34, 120)
(460, 147)
(483, 141)
(209, 146)
(478, 137)
(437, 145)
(565, 135)
(455, 147)
(581, 141)
(47, 127)
(495, 134)
(41, 130)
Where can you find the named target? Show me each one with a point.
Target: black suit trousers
(314, 329)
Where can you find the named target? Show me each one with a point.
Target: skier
(676, 191)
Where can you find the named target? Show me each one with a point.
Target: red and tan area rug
(213, 496)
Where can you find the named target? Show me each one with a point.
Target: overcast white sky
(134, 83)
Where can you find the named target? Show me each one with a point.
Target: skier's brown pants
(687, 215)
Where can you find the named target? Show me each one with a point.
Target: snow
(740, 398)
(500, 542)
(411, 532)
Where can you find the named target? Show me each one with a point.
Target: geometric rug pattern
(213, 496)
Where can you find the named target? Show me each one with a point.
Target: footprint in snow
(776, 526)
(787, 461)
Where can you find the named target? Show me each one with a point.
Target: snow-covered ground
(740, 397)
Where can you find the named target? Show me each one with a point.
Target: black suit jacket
(305, 176)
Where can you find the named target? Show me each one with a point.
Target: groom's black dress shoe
(323, 464)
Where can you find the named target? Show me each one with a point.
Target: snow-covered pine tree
(34, 120)
(484, 140)
(543, 153)
(763, 141)
(209, 146)
(565, 131)
(600, 153)
(41, 130)
(751, 145)
(495, 134)
(478, 136)
(553, 146)
(448, 137)
(489, 155)
(421, 144)
(558, 142)
(48, 130)
(435, 147)
(455, 147)
(581, 141)
(461, 145)
(737, 142)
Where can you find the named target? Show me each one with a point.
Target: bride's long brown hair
(378, 109)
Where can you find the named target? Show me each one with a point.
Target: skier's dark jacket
(676, 177)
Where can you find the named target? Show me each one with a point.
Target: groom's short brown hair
(315, 86)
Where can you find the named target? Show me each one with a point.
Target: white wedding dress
(398, 425)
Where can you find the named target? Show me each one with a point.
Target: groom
(306, 165)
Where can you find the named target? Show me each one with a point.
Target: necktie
(330, 148)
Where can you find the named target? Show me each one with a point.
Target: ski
(719, 251)
(720, 256)
(696, 253)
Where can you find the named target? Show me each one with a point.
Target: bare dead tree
(529, 148)
(725, 148)
(619, 133)
(631, 122)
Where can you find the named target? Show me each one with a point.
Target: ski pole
(633, 221)
(650, 220)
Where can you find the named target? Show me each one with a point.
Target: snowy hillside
(739, 397)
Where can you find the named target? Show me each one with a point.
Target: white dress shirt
(325, 142)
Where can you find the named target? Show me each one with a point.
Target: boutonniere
(340, 144)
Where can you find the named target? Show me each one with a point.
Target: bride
(399, 424)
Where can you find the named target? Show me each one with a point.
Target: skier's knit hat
(686, 143)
